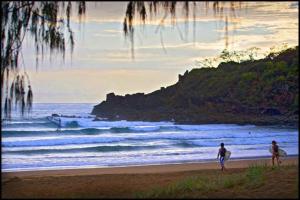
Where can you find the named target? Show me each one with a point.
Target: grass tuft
(255, 175)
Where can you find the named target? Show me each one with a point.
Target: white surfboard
(282, 153)
(227, 155)
(54, 120)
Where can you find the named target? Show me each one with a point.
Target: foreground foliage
(251, 179)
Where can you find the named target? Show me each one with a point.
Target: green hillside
(259, 92)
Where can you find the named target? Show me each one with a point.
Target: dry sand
(111, 182)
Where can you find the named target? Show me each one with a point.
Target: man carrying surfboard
(222, 153)
(275, 153)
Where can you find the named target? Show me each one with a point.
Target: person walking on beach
(275, 153)
(221, 153)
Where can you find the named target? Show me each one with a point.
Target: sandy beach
(120, 181)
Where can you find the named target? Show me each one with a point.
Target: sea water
(35, 143)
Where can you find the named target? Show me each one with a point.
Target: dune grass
(252, 178)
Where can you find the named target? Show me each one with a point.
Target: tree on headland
(238, 56)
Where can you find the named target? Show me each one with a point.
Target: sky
(101, 62)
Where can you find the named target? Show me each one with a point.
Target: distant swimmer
(59, 125)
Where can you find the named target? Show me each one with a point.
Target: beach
(36, 144)
(130, 113)
(129, 159)
(127, 182)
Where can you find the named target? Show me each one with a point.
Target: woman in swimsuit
(275, 153)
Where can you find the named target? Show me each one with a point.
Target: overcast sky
(101, 61)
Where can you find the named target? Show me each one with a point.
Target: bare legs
(222, 160)
(277, 159)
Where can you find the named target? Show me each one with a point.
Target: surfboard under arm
(282, 153)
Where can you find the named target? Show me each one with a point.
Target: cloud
(102, 56)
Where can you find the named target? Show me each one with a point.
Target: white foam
(173, 143)
(51, 141)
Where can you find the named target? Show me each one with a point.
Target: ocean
(35, 143)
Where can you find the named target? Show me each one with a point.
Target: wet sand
(116, 182)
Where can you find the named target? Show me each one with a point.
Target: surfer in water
(275, 153)
(59, 125)
(222, 152)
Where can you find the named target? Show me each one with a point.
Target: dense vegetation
(261, 91)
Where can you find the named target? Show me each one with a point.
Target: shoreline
(202, 161)
(149, 169)
(128, 182)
